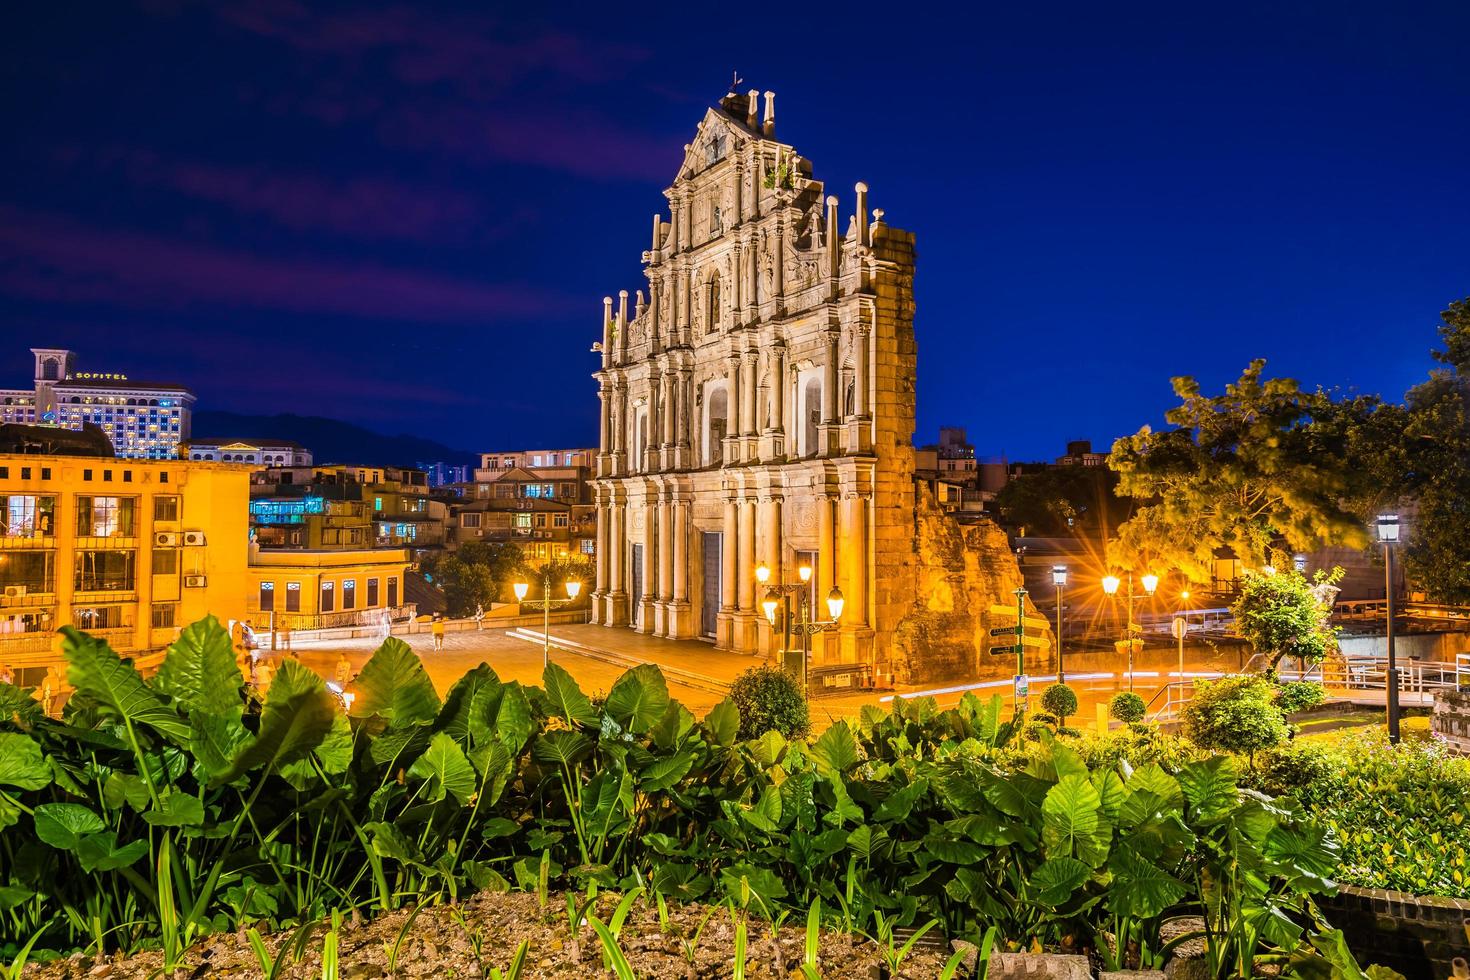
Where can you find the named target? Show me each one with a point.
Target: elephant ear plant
(158, 810)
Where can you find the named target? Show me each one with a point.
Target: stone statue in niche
(716, 221)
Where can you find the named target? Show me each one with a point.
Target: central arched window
(717, 422)
(49, 370)
(811, 414)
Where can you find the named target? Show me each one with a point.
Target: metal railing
(1168, 701)
(1415, 676)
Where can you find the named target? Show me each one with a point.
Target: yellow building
(128, 549)
(311, 589)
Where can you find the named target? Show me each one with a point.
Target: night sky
(406, 215)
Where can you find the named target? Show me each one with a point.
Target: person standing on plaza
(263, 675)
(437, 629)
(343, 672)
(479, 616)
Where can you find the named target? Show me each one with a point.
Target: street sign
(1036, 641)
(1012, 649)
(1023, 689)
(1003, 631)
(1031, 622)
(1179, 627)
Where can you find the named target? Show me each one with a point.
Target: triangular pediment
(715, 139)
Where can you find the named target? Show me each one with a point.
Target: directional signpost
(1019, 642)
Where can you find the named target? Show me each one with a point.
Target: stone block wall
(959, 572)
(1451, 719)
(1419, 936)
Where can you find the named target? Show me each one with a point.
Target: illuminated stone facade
(758, 403)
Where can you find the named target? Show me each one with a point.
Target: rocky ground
(470, 938)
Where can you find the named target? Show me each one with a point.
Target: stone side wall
(1419, 936)
(1451, 719)
(959, 572)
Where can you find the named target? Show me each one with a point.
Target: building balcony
(34, 597)
(13, 644)
(104, 596)
(111, 543)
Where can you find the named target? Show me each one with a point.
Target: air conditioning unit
(193, 581)
(194, 539)
(15, 591)
(166, 539)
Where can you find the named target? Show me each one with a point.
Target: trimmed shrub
(1061, 701)
(770, 699)
(1127, 707)
(1295, 696)
(1236, 714)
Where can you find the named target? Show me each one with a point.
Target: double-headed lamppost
(777, 607)
(546, 603)
(1059, 579)
(1388, 536)
(1110, 584)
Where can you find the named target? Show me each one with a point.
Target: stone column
(617, 606)
(664, 518)
(607, 332)
(729, 545)
(622, 326)
(733, 428)
(646, 613)
(686, 328)
(745, 567)
(778, 260)
(826, 564)
(667, 398)
(776, 358)
(830, 377)
(749, 419)
(601, 546)
(853, 567)
(655, 288)
(681, 550)
(861, 338)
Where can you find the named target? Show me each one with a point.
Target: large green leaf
(63, 825)
(513, 721)
(723, 722)
(837, 749)
(447, 770)
(468, 715)
(17, 703)
(100, 852)
(176, 809)
(1139, 887)
(199, 671)
(214, 740)
(1072, 821)
(765, 814)
(768, 749)
(333, 756)
(639, 698)
(297, 718)
(665, 772)
(561, 748)
(1210, 787)
(99, 674)
(21, 762)
(897, 806)
(1055, 880)
(395, 687)
(566, 698)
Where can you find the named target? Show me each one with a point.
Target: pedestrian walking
(479, 616)
(285, 637)
(343, 673)
(7, 676)
(263, 675)
(437, 629)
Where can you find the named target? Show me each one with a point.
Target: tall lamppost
(777, 606)
(1110, 584)
(1059, 579)
(1388, 536)
(546, 603)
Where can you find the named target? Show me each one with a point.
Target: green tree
(1060, 701)
(1062, 500)
(1286, 614)
(465, 586)
(1127, 707)
(1427, 458)
(1261, 465)
(770, 699)
(1236, 714)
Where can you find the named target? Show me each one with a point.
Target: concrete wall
(1451, 719)
(1418, 646)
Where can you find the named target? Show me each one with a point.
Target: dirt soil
(467, 939)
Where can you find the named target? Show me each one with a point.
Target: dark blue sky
(407, 215)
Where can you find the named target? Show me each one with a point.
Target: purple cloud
(43, 257)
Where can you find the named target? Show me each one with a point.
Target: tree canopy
(1264, 464)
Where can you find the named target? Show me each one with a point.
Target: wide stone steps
(675, 675)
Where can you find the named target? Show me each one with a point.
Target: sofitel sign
(93, 376)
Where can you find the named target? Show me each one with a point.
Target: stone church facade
(758, 403)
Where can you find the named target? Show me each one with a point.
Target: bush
(1399, 813)
(1127, 707)
(1295, 696)
(770, 699)
(1237, 714)
(1061, 701)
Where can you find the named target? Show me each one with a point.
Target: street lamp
(1388, 536)
(546, 603)
(1110, 585)
(1059, 579)
(777, 607)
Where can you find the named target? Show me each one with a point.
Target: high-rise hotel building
(144, 420)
